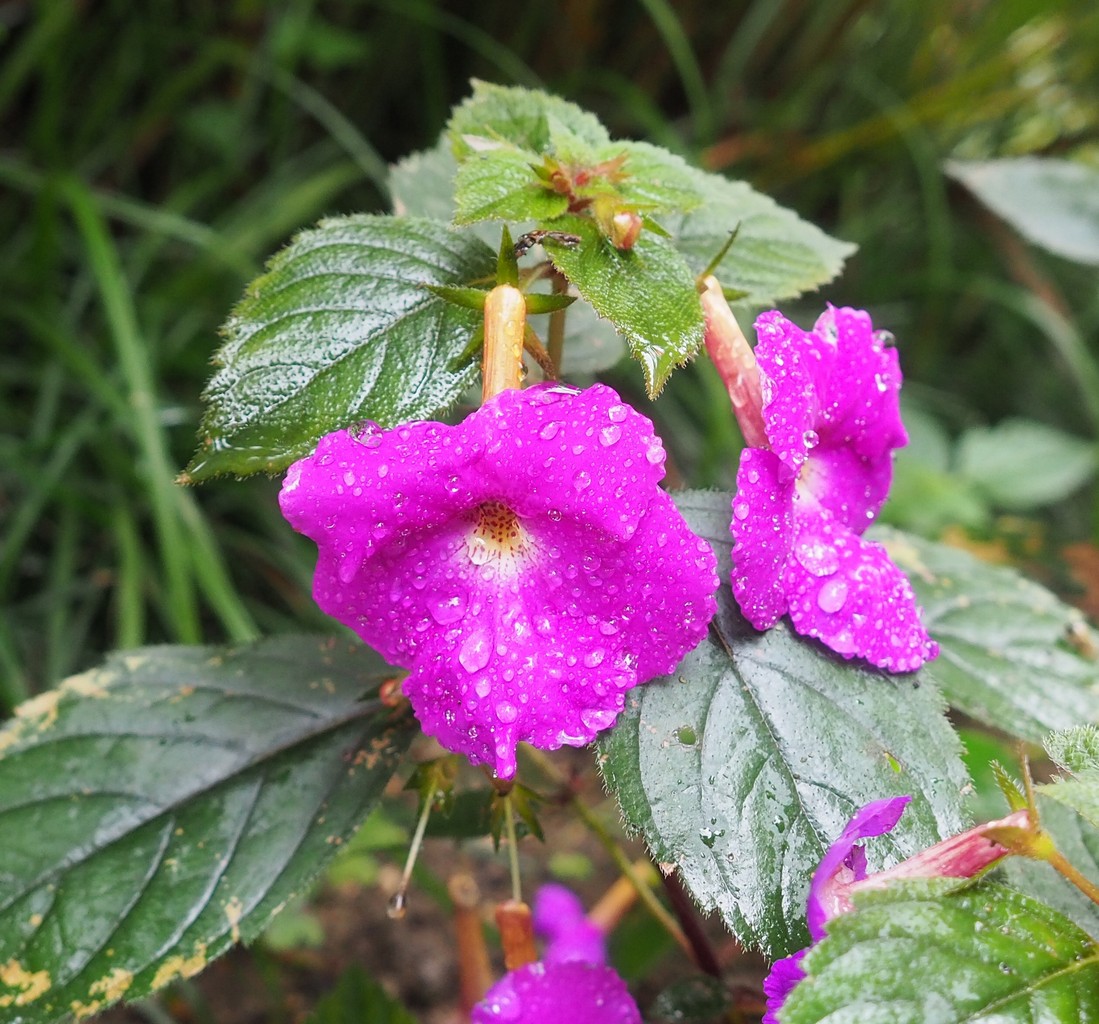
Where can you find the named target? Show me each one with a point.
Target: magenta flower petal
(831, 409)
(845, 860)
(795, 368)
(559, 919)
(780, 982)
(846, 592)
(763, 530)
(524, 564)
(576, 992)
(852, 489)
(860, 405)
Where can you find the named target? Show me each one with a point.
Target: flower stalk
(505, 327)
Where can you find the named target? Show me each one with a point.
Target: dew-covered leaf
(1052, 203)
(341, 328)
(1075, 749)
(158, 809)
(422, 184)
(744, 765)
(524, 118)
(916, 954)
(500, 184)
(1012, 655)
(1021, 465)
(647, 292)
(776, 254)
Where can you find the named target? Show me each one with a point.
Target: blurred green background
(152, 156)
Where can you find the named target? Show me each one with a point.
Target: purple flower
(842, 871)
(829, 400)
(570, 983)
(560, 920)
(573, 991)
(524, 564)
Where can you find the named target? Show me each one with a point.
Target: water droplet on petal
(654, 454)
(810, 438)
(740, 510)
(506, 711)
(598, 719)
(581, 481)
(594, 657)
(832, 595)
(609, 435)
(617, 413)
(549, 431)
(817, 557)
(446, 609)
(474, 653)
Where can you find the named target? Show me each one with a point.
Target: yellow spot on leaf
(81, 1010)
(180, 967)
(24, 986)
(35, 920)
(234, 910)
(113, 987)
(86, 684)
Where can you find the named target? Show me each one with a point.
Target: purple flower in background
(842, 871)
(572, 991)
(524, 564)
(560, 920)
(829, 403)
(570, 983)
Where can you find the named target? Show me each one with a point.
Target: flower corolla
(524, 565)
(821, 413)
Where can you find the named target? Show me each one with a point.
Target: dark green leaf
(1013, 656)
(914, 955)
(1021, 465)
(525, 118)
(647, 292)
(161, 808)
(1053, 203)
(358, 999)
(341, 328)
(776, 255)
(1078, 841)
(499, 184)
(697, 1000)
(742, 767)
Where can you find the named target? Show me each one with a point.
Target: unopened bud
(505, 325)
(625, 229)
(735, 362)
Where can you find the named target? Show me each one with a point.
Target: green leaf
(1052, 203)
(1011, 652)
(500, 184)
(742, 767)
(916, 955)
(776, 255)
(1079, 843)
(158, 809)
(525, 118)
(422, 184)
(341, 328)
(1076, 749)
(1020, 465)
(358, 999)
(647, 292)
(656, 180)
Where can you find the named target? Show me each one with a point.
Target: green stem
(1084, 884)
(513, 851)
(555, 338)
